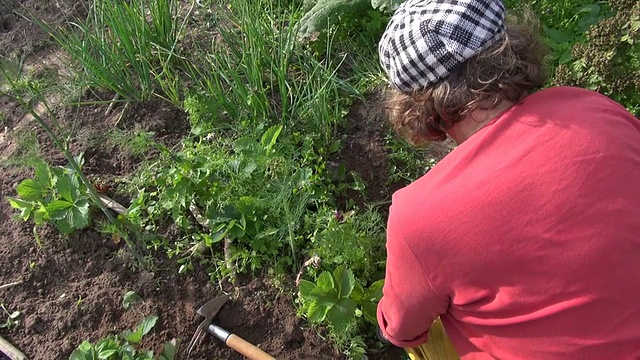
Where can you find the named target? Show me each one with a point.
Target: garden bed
(72, 287)
(296, 146)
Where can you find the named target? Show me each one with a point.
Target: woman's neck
(462, 130)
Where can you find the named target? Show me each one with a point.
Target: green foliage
(335, 298)
(122, 46)
(354, 240)
(135, 142)
(245, 189)
(29, 85)
(11, 320)
(607, 59)
(56, 195)
(594, 45)
(28, 150)
(122, 347)
(338, 299)
(142, 329)
(263, 114)
(320, 14)
(407, 163)
(130, 298)
(261, 74)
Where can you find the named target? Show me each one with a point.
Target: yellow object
(439, 347)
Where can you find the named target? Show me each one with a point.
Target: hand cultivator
(209, 311)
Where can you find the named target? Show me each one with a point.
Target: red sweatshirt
(525, 239)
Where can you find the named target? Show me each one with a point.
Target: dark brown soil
(363, 150)
(20, 35)
(73, 290)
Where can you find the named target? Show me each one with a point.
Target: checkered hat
(426, 40)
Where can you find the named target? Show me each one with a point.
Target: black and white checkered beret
(426, 40)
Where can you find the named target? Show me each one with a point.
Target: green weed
(137, 142)
(263, 115)
(130, 298)
(70, 210)
(243, 188)
(607, 58)
(11, 320)
(354, 240)
(28, 150)
(408, 163)
(338, 299)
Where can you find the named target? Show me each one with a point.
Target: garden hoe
(209, 311)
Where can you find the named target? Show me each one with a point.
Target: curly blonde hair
(510, 69)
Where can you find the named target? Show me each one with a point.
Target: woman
(525, 239)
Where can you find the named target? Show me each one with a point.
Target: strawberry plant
(55, 195)
(122, 347)
(337, 298)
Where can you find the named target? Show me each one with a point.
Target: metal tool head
(209, 311)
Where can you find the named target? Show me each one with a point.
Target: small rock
(33, 324)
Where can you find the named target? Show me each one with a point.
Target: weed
(339, 300)
(336, 296)
(243, 188)
(355, 240)
(263, 74)
(12, 318)
(70, 210)
(28, 150)
(137, 142)
(607, 59)
(80, 302)
(407, 163)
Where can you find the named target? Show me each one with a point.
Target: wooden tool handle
(247, 349)
(11, 351)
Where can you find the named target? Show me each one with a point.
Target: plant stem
(10, 285)
(227, 258)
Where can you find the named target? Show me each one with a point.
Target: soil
(363, 151)
(20, 35)
(72, 287)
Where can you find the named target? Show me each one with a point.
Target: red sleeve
(409, 304)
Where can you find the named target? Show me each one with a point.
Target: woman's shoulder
(567, 95)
